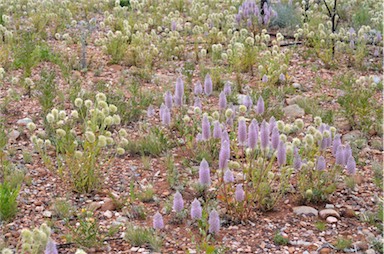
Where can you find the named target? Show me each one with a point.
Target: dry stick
(68, 245)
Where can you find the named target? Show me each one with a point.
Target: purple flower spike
(227, 88)
(51, 248)
(198, 137)
(214, 222)
(275, 138)
(224, 154)
(224, 135)
(239, 193)
(178, 202)
(265, 78)
(340, 155)
(351, 165)
(247, 101)
(205, 128)
(335, 144)
(272, 124)
(198, 89)
(321, 164)
(166, 116)
(253, 134)
(197, 103)
(204, 173)
(150, 111)
(242, 132)
(196, 210)
(260, 106)
(282, 77)
(222, 101)
(281, 154)
(297, 162)
(217, 130)
(173, 25)
(208, 85)
(264, 135)
(158, 222)
(347, 153)
(168, 99)
(228, 176)
(179, 89)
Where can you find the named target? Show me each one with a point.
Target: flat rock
(94, 206)
(47, 214)
(305, 210)
(342, 123)
(293, 111)
(331, 220)
(352, 136)
(24, 121)
(108, 214)
(294, 99)
(370, 251)
(13, 135)
(328, 212)
(108, 205)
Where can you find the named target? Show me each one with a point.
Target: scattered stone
(108, 214)
(296, 85)
(329, 206)
(294, 99)
(13, 135)
(325, 251)
(328, 212)
(331, 220)
(342, 124)
(360, 245)
(122, 219)
(24, 121)
(108, 205)
(47, 214)
(94, 206)
(348, 213)
(293, 111)
(305, 210)
(370, 251)
(134, 249)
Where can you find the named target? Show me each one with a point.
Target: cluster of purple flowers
(249, 14)
(196, 214)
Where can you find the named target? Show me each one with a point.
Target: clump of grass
(321, 225)
(151, 144)
(343, 243)
(140, 236)
(147, 194)
(63, 208)
(279, 239)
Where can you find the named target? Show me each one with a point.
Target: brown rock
(94, 206)
(325, 251)
(348, 213)
(108, 205)
(328, 212)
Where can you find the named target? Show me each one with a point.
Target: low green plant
(321, 225)
(47, 91)
(8, 201)
(343, 243)
(279, 239)
(146, 194)
(153, 143)
(86, 232)
(172, 171)
(140, 236)
(63, 208)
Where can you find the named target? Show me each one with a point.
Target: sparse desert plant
(82, 153)
(140, 236)
(35, 241)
